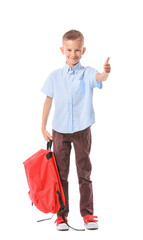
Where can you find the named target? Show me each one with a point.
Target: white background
(31, 33)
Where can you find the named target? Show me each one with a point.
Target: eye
(69, 50)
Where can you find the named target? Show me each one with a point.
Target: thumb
(107, 60)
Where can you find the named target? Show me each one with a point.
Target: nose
(73, 53)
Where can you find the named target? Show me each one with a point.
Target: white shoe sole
(62, 227)
(91, 226)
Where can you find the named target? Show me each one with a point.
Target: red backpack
(46, 191)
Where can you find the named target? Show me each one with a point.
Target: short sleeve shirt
(72, 90)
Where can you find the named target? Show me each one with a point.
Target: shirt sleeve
(48, 87)
(92, 78)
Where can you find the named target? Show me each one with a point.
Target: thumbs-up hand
(107, 67)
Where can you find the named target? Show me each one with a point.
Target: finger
(47, 139)
(107, 69)
(107, 60)
(105, 66)
(50, 138)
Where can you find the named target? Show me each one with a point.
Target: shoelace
(60, 220)
(89, 218)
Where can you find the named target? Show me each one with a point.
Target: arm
(46, 111)
(103, 76)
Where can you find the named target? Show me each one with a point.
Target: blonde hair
(73, 35)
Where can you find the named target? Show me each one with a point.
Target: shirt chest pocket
(80, 87)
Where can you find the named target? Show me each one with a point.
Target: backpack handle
(49, 145)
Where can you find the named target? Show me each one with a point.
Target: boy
(72, 89)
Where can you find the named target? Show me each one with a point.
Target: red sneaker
(90, 223)
(61, 225)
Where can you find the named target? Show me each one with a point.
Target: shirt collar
(67, 68)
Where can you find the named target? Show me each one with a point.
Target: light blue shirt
(72, 90)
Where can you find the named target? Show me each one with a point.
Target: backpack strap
(45, 219)
(62, 211)
(49, 145)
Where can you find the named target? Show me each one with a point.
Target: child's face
(73, 51)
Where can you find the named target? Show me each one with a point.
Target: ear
(83, 51)
(62, 50)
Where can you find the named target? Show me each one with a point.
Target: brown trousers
(82, 145)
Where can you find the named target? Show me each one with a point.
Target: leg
(82, 146)
(61, 149)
